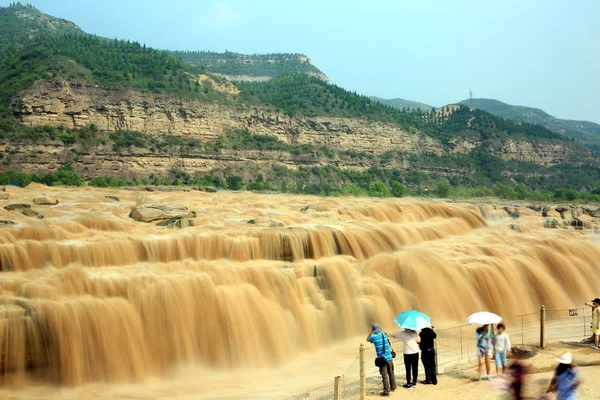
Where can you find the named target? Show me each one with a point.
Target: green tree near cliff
(398, 189)
(443, 189)
(235, 182)
(378, 189)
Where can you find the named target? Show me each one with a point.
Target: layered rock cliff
(77, 105)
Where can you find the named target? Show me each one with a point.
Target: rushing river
(265, 296)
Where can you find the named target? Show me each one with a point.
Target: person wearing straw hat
(565, 380)
(385, 359)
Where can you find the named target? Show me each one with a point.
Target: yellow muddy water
(265, 296)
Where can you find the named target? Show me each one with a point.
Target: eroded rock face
(156, 212)
(50, 103)
(4, 196)
(76, 105)
(45, 201)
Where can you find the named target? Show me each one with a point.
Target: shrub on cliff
(398, 190)
(443, 189)
(65, 176)
(125, 139)
(352, 190)
(378, 189)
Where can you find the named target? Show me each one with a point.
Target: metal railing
(456, 346)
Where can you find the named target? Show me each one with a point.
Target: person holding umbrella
(385, 359)
(411, 322)
(484, 336)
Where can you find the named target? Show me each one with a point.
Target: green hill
(585, 131)
(243, 66)
(22, 22)
(84, 58)
(114, 63)
(403, 103)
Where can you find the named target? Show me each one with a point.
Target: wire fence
(455, 346)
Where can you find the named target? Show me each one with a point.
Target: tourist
(427, 347)
(384, 360)
(517, 372)
(483, 335)
(595, 304)
(411, 342)
(565, 380)
(502, 346)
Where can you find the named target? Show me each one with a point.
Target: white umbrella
(484, 318)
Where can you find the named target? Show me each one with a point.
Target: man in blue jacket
(385, 360)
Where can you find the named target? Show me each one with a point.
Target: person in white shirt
(502, 348)
(411, 342)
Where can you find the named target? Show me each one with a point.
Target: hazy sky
(540, 53)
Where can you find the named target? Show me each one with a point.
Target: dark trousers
(389, 378)
(517, 387)
(411, 362)
(428, 358)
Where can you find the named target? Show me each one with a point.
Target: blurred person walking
(428, 336)
(517, 372)
(565, 380)
(385, 358)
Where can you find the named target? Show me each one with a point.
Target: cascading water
(89, 295)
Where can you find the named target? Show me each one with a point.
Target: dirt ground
(463, 384)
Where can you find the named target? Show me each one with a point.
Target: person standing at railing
(502, 348)
(595, 304)
(411, 342)
(385, 359)
(427, 347)
(484, 336)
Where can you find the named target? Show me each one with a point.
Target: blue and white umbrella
(413, 320)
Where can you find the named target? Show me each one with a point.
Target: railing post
(542, 326)
(337, 388)
(363, 377)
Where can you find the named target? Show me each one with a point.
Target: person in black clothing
(428, 355)
(517, 372)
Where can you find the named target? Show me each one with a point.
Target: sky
(538, 53)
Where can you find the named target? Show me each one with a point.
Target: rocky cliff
(76, 105)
